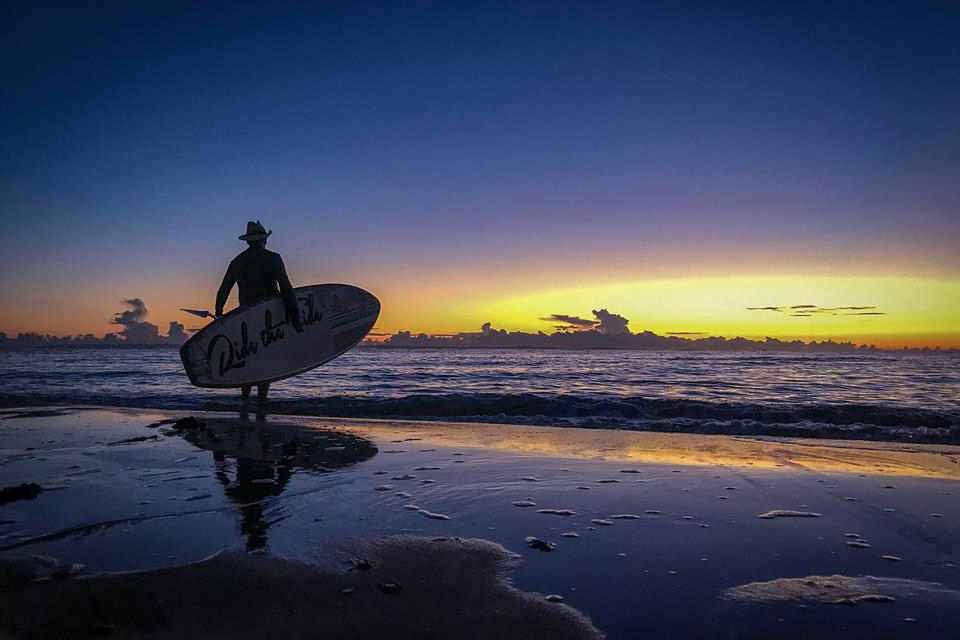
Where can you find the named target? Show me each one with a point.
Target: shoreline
(645, 447)
(849, 423)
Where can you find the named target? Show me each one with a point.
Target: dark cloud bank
(135, 330)
(605, 330)
(489, 337)
(609, 331)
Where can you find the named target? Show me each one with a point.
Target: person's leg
(245, 391)
(262, 391)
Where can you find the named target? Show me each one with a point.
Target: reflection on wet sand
(255, 461)
(757, 452)
(658, 554)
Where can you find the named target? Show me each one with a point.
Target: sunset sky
(676, 163)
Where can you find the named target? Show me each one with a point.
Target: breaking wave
(880, 396)
(849, 421)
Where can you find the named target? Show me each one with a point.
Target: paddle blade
(202, 314)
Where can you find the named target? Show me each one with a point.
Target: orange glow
(921, 311)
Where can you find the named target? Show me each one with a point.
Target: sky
(678, 163)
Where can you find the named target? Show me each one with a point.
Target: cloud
(684, 333)
(611, 323)
(136, 313)
(488, 330)
(808, 310)
(604, 322)
(501, 338)
(573, 321)
(135, 329)
(176, 333)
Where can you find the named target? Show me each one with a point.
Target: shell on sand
(787, 513)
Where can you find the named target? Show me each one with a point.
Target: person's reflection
(256, 479)
(254, 461)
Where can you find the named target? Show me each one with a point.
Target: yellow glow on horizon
(919, 311)
(916, 310)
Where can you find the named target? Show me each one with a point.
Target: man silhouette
(258, 274)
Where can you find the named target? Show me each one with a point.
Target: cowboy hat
(255, 231)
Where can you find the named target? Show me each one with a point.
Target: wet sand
(396, 587)
(645, 534)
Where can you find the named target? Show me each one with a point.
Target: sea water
(885, 395)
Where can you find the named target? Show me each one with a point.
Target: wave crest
(850, 421)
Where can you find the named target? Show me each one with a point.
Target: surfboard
(255, 344)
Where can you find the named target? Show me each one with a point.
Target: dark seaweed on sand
(25, 491)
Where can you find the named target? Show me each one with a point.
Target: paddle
(202, 314)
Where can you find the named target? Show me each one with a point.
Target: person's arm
(224, 291)
(288, 296)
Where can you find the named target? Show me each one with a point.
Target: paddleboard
(255, 344)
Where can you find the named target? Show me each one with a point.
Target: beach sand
(257, 524)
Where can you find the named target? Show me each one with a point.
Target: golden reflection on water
(884, 458)
(752, 452)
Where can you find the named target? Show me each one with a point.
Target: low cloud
(176, 333)
(570, 321)
(488, 336)
(135, 331)
(611, 323)
(604, 322)
(609, 330)
(808, 310)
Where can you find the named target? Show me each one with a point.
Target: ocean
(885, 396)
